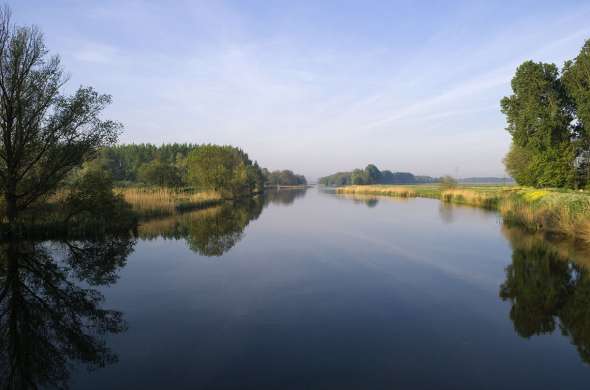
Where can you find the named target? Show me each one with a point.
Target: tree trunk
(11, 205)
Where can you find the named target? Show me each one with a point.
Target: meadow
(556, 211)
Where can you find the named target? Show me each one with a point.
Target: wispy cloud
(413, 88)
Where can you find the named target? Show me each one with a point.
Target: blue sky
(313, 86)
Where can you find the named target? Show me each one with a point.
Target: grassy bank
(159, 201)
(552, 211)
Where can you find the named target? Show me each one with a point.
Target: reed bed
(488, 200)
(553, 211)
(401, 192)
(151, 201)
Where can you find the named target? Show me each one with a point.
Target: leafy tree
(90, 199)
(223, 169)
(372, 175)
(537, 113)
(576, 77)
(160, 174)
(545, 116)
(125, 161)
(44, 135)
(518, 163)
(283, 178)
(359, 177)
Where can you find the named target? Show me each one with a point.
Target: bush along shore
(544, 210)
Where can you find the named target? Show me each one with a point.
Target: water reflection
(548, 288)
(446, 212)
(209, 232)
(51, 315)
(284, 196)
(368, 200)
(214, 231)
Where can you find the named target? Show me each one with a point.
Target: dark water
(301, 290)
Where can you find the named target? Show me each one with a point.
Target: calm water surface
(306, 290)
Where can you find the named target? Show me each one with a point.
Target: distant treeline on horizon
(372, 175)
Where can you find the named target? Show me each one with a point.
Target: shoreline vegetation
(554, 211)
(149, 202)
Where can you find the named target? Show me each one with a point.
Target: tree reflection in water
(214, 231)
(284, 196)
(547, 290)
(51, 317)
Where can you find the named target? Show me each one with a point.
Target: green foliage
(90, 200)
(209, 167)
(125, 161)
(224, 169)
(546, 117)
(44, 135)
(518, 164)
(576, 77)
(372, 175)
(283, 178)
(160, 173)
(536, 112)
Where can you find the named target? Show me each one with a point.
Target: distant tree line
(283, 178)
(225, 169)
(372, 175)
(548, 117)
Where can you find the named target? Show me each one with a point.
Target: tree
(541, 120)
(223, 169)
(44, 135)
(373, 174)
(283, 178)
(518, 164)
(538, 112)
(159, 173)
(358, 177)
(576, 77)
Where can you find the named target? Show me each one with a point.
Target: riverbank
(552, 211)
(160, 201)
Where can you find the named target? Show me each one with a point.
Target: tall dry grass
(162, 201)
(401, 192)
(488, 200)
(555, 211)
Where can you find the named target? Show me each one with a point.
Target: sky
(313, 86)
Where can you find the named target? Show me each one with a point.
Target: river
(303, 289)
